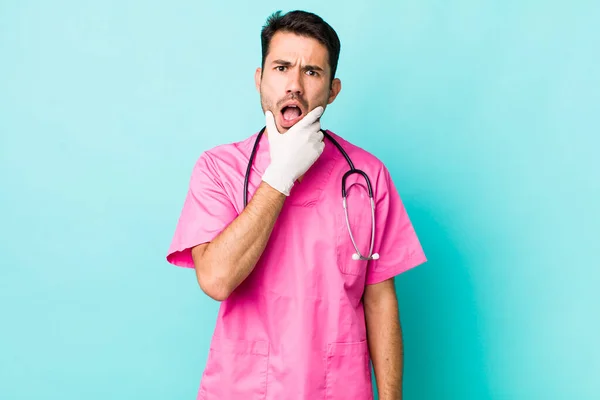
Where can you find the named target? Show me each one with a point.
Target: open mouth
(290, 115)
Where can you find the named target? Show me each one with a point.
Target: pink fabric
(295, 328)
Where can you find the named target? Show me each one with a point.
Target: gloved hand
(293, 152)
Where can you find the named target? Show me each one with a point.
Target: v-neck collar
(305, 193)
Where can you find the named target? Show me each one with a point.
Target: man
(301, 315)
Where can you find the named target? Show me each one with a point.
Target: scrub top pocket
(348, 373)
(236, 369)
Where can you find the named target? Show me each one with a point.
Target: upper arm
(379, 294)
(207, 210)
(197, 252)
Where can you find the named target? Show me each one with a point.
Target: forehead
(290, 46)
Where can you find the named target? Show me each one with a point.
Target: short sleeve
(396, 242)
(207, 210)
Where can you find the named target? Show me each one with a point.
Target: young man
(302, 312)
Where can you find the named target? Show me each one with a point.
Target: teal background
(486, 114)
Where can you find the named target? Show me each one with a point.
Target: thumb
(270, 122)
(310, 118)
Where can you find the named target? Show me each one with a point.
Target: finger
(319, 147)
(316, 136)
(310, 118)
(314, 129)
(270, 122)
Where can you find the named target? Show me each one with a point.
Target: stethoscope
(352, 170)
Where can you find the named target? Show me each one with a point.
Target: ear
(257, 78)
(336, 87)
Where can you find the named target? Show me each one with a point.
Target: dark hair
(304, 24)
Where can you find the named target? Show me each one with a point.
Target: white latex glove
(293, 153)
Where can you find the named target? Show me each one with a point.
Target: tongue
(290, 113)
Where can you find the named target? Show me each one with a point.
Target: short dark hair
(304, 24)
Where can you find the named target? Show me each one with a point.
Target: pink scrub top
(295, 328)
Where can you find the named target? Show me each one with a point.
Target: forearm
(233, 254)
(386, 347)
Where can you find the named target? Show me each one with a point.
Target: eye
(280, 68)
(312, 72)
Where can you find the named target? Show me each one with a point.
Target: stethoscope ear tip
(375, 256)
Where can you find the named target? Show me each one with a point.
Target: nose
(295, 85)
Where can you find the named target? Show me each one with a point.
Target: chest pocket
(359, 218)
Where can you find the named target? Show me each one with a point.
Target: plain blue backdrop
(485, 112)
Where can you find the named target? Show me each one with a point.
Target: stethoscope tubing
(351, 171)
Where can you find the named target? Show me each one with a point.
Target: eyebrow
(306, 67)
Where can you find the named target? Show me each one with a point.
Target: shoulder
(370, 164)
(227, 154)
(361, 158)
